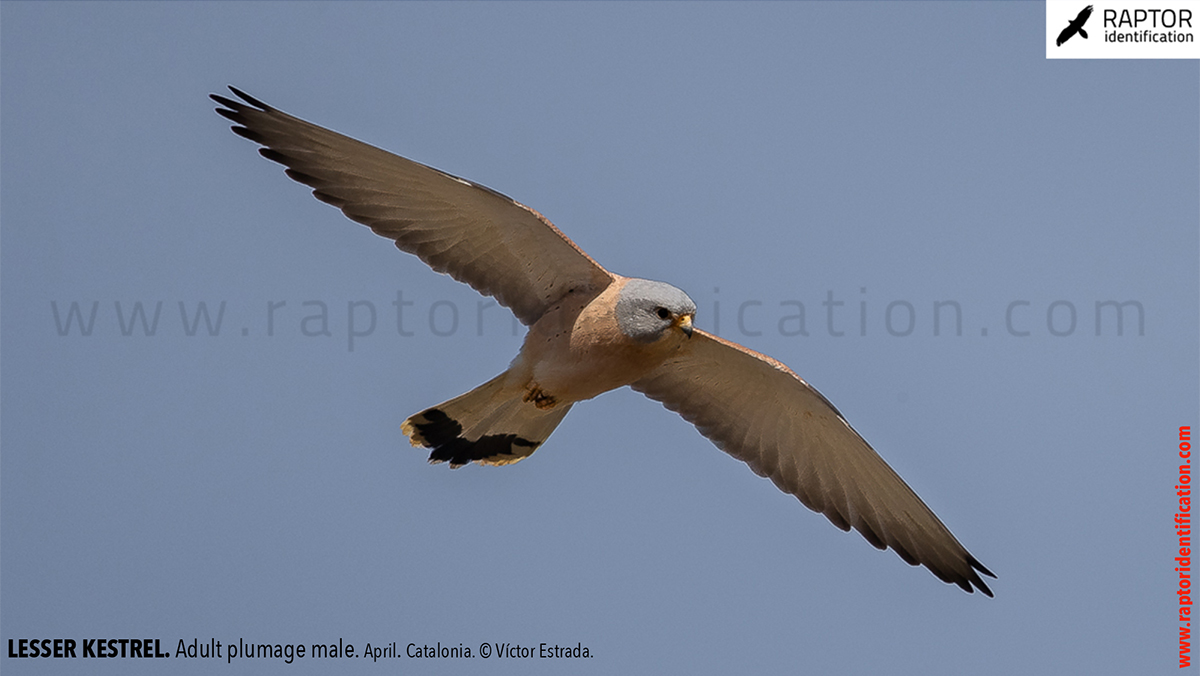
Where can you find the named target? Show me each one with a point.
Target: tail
(492, 425)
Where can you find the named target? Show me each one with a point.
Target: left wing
(760, 412)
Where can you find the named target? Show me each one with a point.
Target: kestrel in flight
(591, 331)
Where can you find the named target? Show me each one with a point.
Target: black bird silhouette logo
(1075, 26)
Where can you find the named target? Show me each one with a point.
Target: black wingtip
(249, 99)
(978, 581)
(238, 112)
(979, 566)
(238, 106)
(982, 586)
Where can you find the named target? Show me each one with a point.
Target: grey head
(647, 310)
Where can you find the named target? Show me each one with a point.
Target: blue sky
(765, 158)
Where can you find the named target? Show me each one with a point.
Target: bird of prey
(1075, 26)
(591, 331)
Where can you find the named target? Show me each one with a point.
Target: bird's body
(591, 331)
(577, 350)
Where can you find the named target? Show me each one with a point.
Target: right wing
(498, 246)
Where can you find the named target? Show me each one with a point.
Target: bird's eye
(663, 313)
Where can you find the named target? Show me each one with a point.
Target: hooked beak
(685, 324)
